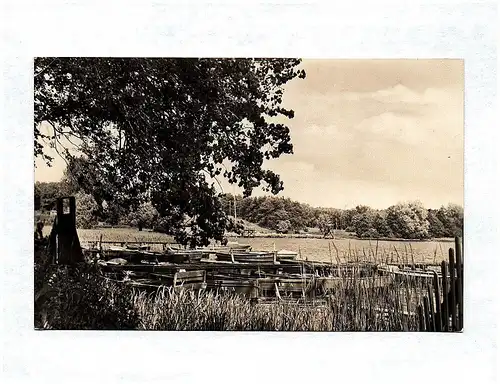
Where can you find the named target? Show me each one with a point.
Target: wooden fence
(442, 307)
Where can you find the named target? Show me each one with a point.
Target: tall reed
(82, 300)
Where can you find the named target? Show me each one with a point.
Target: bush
(408, 220)
(146, 216)
(78, 298)
(86, 211)
(283, 226)
(162, 225)
(370, 233)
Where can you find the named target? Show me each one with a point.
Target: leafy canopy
(162, 129)
(408, 220)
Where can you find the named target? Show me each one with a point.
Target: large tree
(48, 192)
(163, 129)
(436, 227)
(452, 218)
(408, 220)
(363, 222)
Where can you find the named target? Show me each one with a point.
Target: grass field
(116, 234)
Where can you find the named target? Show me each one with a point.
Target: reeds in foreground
(68, 298)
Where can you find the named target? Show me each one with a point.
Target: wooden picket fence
(442, 308)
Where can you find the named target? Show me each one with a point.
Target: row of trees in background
(90, 213)
(275, 213)
(410, 220)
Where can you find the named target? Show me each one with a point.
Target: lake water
(324, 249)
(310, 249)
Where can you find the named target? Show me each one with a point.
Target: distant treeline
(409, 220)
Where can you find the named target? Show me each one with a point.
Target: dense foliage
(49, 191)
(161, 130)
(86, 211)
(146, 216)
(78, 298)
(276, 213)
(408, 220)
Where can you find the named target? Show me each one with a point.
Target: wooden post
(438, 319)
(72, 209)
(60, 207)
(431, 308)
(330, 252)
(277, 291)
(426, 314)
(453, 312)
(460, 282)
(421, 323)
(254, 291)
(444, 307)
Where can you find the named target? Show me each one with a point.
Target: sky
(368, 132)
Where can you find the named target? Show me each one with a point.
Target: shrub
(86, 211)
(283, 226)
(146, 216)
(78, 298)
(408, 220)
(370, 233)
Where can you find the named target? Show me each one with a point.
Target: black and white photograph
(249, 194)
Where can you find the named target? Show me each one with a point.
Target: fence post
(453, 305)
(439, 315)
(431, 308)
(444, 307)
(460, 282)
(426, 314)
(421, 322)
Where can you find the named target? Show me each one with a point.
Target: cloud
(400, 94)
(322, 130)
(394, 128)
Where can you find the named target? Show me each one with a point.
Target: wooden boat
(113, 252)
(235, 246)
(174, 255)
(138, 247)
(232, 246)
(284, 254)
(246, 257)
(408, 272)
(245, 287)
